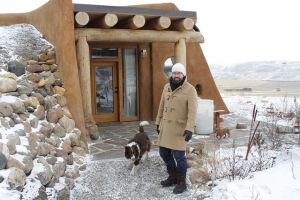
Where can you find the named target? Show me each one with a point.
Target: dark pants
(174, 159)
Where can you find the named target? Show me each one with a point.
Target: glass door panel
(105, 92)
(129, 82)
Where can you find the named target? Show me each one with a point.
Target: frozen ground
(111, 179)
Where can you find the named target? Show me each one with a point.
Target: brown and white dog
(222, 133)
(138, 148)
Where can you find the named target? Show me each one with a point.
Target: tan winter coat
(176, 113)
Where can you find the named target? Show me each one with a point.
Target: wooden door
(105, 91)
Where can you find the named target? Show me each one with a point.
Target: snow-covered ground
(280, 182)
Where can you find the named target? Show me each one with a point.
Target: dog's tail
(142, 124)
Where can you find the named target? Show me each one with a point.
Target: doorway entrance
(114, 83)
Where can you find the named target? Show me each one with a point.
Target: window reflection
(168, 66)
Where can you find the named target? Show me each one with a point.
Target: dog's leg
(135, 167)
(145, 156)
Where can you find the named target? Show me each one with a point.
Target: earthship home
(115, 60)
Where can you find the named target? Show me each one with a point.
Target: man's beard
(176, 83)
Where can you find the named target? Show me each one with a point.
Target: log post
(83, 59)
(106, 21)
(180, 51)
(159, 23)
(186, 24)
(81, 19)
(135, 22)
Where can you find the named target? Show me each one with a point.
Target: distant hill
(263, 70)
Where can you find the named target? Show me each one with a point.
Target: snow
(279, 182)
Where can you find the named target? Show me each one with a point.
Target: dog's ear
(128, 152)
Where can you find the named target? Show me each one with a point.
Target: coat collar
(185, 83)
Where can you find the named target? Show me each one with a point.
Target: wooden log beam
(186, 24)
(108, 20)
(13, 18)
(134, 22)
(159, 23)
(81, 19)
(123, 35)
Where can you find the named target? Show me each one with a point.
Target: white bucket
(205, 116)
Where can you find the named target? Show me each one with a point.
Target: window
(104, 52)
(168, 66)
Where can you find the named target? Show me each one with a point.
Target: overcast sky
(234, 30)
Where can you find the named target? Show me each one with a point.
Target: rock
(66, 145)
(16, 104)
(3, 161)
(21, 162)
(59, 90)
(21, 89)
(4, 122)
(51, 160)
(34, 190)
(53, 140)
(70, 183)
(67, 123)
(11, 145)
(82, 167)
(43, 149)
(59, 131)
(16, 68)
(46, 128)
(7, 85)
(34, 122)
(52, 116)
(27, 127)
(39, 97)
(14, 138)
(34, 68)
(4, 149)
(5, 74)
(67, 112)
(75, 139)
(72, 172)
(241, 126)
(40, 112)
(94, 135)
(16, 179)
(43, 171)
(34, 102)
(34, 77)
(50, 102)
(41, 91)
(63, 192)
(61, 100)
(79, 150)
(5, 109)
(1, 179)
(59, 169)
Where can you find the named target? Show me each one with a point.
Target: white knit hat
(178, 67)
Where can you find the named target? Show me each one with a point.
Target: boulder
(3, 161)
(7, 85)
(5, 109)
(16, 179)
(34, 190)
(16, 68)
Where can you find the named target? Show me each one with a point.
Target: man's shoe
(181, 185)
(170, 181)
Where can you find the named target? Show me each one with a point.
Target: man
(175, 125)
